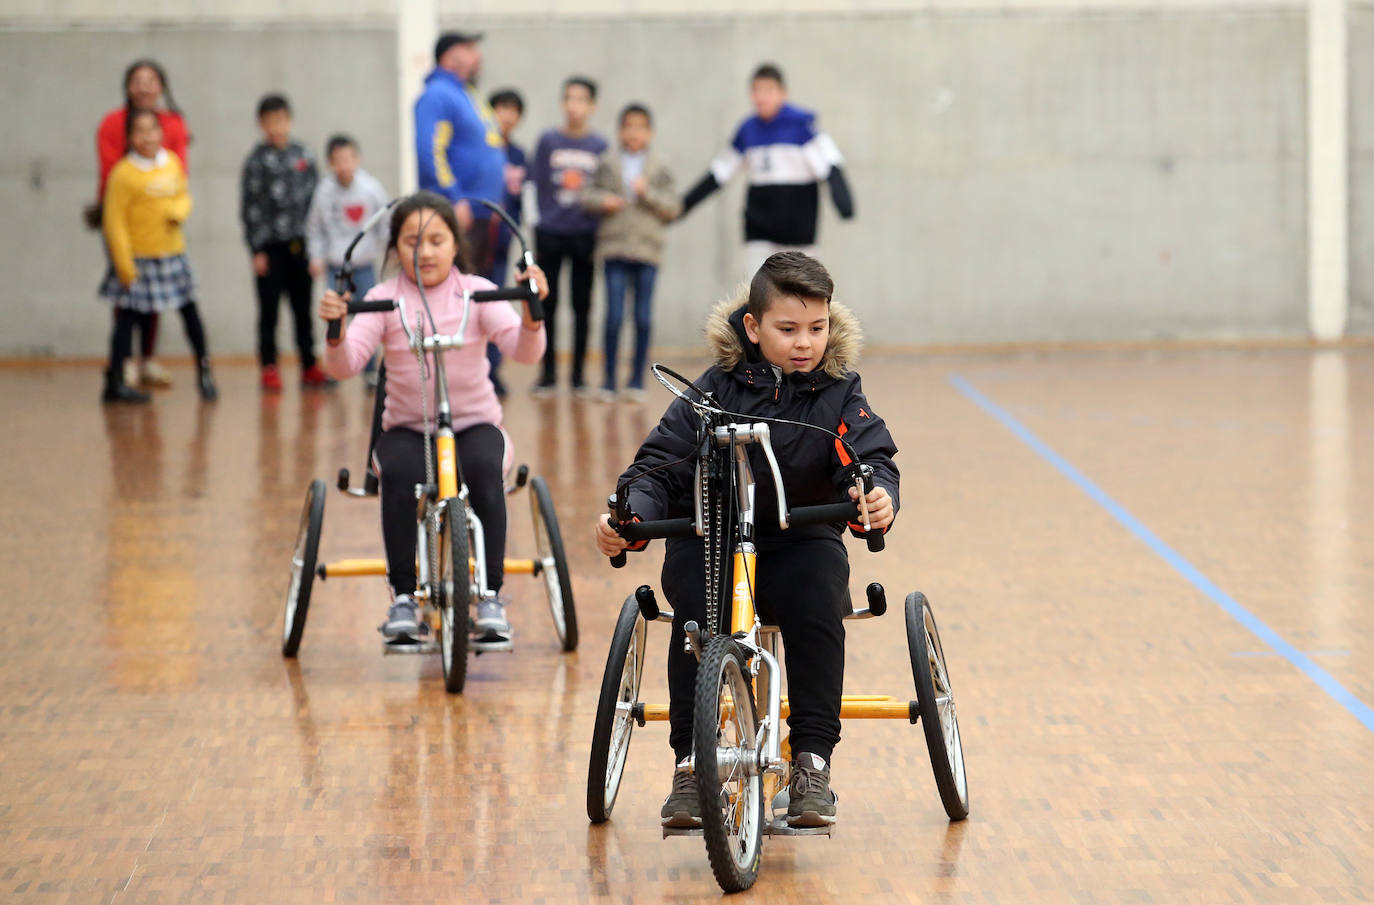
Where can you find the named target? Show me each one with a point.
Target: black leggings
(400, 455)
(122, 338)
(803, 588)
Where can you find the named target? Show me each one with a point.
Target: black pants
(122, 337)
(803, 588)
(288, 271)
(401, 454)
(550, 249)
(147, 328)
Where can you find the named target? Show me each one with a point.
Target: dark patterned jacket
(277, 186)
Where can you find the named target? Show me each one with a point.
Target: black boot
(206, 381)
(116, 390)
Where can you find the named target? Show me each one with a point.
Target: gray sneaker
(403, 625)
(682, 807)
(491, 621)
(811, 803)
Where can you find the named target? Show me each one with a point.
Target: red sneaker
(271, 379)
(314, 376)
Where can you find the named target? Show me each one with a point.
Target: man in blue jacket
(462, 155)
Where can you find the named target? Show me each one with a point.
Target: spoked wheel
(729, 781)
(553, 564)
(935, 701)
(454, 592)
(615, 712)
(302, 569)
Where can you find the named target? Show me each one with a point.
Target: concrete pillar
(1328, 269)
(417, 28)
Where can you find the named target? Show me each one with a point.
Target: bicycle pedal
(392, 649)
(681, 831)
(491, 645)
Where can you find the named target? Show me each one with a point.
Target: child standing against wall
(634, 194)
(146, 201)
(563, 163)
(278, 181)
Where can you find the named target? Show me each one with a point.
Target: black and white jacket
(786, 159)
(276, 190)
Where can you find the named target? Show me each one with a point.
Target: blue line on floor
(1325, 681)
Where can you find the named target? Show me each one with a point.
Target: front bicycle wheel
(615, 712)
(454, 592)
(935, 703)
(553, 563)
(303, 558)
(729, 781)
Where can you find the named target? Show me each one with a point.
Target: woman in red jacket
(145, 88)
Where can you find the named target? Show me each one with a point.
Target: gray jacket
(635, 232)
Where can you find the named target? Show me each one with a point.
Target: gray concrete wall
(1361, 171)
(1023, 175)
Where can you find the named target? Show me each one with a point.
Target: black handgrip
(371, 306)
(343, 285)
(877, 599)
(513, 294)
(508, 294)
(620, 514)
(672, 527)
(874, 539)
(824, 514)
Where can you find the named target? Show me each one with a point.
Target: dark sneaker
(811, 803)
(205, 381)
(116, 390)
(491, 621)
(682, 807)
(403, 625)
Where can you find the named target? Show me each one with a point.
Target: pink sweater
(470, 392)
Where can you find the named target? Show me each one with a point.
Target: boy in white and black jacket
(786, 158)
(784, 350)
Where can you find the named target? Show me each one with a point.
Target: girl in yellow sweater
(146, 201)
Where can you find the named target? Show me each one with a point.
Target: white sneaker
(403, 625)
(491, 623)
(606, 396)
(635, 394)
(153, 374)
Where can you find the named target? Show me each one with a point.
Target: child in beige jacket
(633, 192)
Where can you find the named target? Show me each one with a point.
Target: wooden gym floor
(1153, 571)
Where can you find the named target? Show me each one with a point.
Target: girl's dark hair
(134, 116)
(789, 273)
(443, 209)
(135, 66)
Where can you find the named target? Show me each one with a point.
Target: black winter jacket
(814, 466)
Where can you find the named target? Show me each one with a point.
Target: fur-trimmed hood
(730, 346)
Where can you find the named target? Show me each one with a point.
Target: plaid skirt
(163, 284)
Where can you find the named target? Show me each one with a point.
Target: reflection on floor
(1126, 739)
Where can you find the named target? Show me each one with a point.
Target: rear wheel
(935, 702)
(615, 712)
(729, 781)
(302, 569)
(553, 564)
(453, 589)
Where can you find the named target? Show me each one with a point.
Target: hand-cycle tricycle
(741, 756)
(450, 555)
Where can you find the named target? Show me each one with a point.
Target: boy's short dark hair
(580, 80)
(338, 141)
(507, 97)
(632, 109)
(768, 71)
(789, 273)
(271, 103)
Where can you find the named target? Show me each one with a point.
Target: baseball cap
(449, 38)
